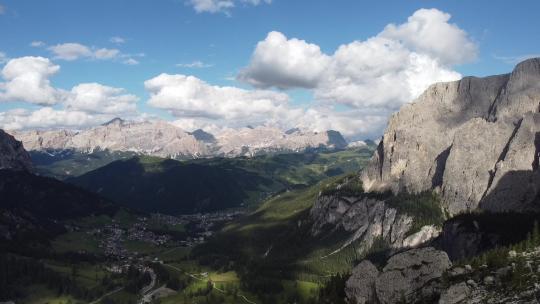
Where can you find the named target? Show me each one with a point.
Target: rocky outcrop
(364, 219)
(455, 294)
(407, 277)
(513, 278)
(12, 154)
(159, 138)
(360, 287)
(475, 140)
(426, 234)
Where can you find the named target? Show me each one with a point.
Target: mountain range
(445, 211)
(163, 139)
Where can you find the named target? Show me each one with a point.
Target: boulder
(455, 294)
(411, 274)
(360, 287)
(408, 276)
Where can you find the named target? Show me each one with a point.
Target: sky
(219, 64)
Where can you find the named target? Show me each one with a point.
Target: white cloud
(96, 98)
(131, 61)
(285, 63)
(221, 6)
(353, 124)
(106, 53)
(211, 6)
(27, 80)
(70, 51)
(428, 31)
(73, 51)
(117, 40)
(384, 71)
(379, 73)
(197, 64)
(37, 43)
(197, 104)
(188, 96)
(2, 9)
(49, 118)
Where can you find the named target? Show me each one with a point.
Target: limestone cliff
(12, 154)
(475, 140)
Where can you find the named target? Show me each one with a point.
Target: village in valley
(155, 231)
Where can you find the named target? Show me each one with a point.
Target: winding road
(213, 284)
(106, 295)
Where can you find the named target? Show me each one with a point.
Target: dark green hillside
(272, 249)
(164, 185)
(45, 197)
(68, 163)
(32, 208)
(170, 186)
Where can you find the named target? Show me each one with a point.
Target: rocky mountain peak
(203, 136)
(473, 140)
(160, 138)
(12, 154)
(115, 121)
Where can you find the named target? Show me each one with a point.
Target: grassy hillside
(206, 185)
(69, 163)
(272, 249)
(36, 266)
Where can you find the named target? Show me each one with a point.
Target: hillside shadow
(515, 191)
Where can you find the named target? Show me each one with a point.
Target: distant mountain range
(163, 139)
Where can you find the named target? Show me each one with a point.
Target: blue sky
(215, 40)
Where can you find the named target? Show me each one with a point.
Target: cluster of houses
(139, 232)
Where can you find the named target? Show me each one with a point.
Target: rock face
(408, 277)
(360, 287)
(475, 140)
(261, 140)
(12, 154)
(455, 294)
(159, 138)
(365, 219)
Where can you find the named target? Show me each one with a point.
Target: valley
(269, 152)
(131, 255)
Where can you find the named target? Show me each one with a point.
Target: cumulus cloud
(27, 80)
(188, 96)
(353, 124)
(383, 71)
(285, 63)
(195, 64)
(97, 98)
(428, 31)
(49, 118)
(221, 6)
(70, 51)
(199, 105)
